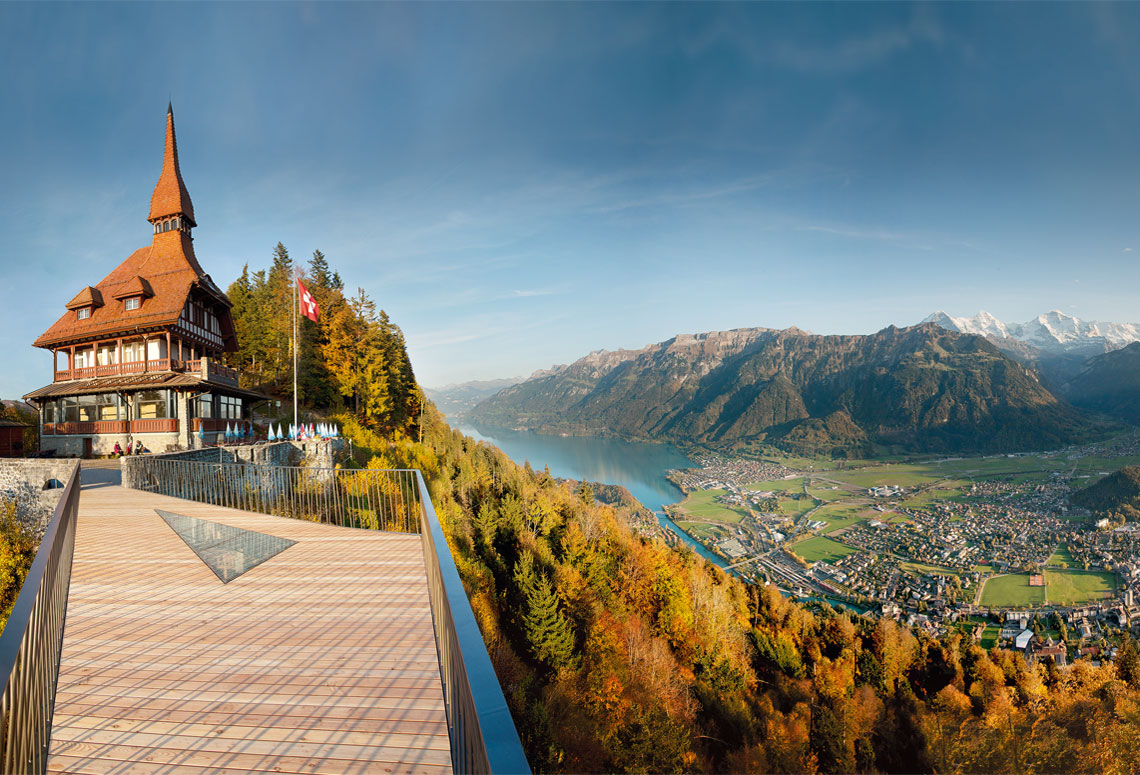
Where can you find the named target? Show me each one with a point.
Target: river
(637, 466)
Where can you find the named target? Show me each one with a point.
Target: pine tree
(548, 633)
(1128, 662)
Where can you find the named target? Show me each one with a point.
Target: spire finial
(170, 197)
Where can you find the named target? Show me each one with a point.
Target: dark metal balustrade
(31, 643)
(483, 735)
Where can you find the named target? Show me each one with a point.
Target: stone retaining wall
(310, 454)
(36, 487)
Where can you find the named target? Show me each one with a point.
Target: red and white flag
(308, 304)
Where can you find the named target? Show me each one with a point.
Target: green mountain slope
(917, 389)
(1118, 492)
(1110, 383)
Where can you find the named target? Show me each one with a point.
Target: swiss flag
(308, 304)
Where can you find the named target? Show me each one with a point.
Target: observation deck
(321, 659)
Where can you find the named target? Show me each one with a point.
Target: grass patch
(901, 475)
(989, 637)
(921, 567)
(795, 508)
(789, 486)
(1062, 555)
(840, 515)
(948, 491)
(702, 530)
(1011, 590)
(702, 504)
(1073, 587)
(826, 494)
(820, 548)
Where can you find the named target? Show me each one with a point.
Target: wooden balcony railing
(164, 425)
(214, 424)
(154, 426)
(209, 369)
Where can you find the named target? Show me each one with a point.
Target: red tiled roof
(88, 297)
(173, 271)
(136, 286)
(170, 196)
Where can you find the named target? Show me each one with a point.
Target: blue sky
(520, 183)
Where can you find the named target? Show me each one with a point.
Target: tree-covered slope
(919, 388)
(1110, 383)
(1117, 493)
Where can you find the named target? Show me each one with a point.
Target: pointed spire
(170, 196)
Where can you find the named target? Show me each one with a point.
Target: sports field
(1074, 587)
(1011, 590)
(821, 548)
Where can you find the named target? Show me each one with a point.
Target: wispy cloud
(902, 239)
(856, 53)
(526, 294)
(1126, 250)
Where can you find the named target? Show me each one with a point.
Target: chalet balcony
(150, 425)
(208, 369)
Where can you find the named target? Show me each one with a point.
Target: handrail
(483, 735)
(32, 642)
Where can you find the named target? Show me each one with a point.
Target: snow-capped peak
(1053, 331)
(982, 324)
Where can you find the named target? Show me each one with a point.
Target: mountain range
(922, 388)
(457, 399)
(1053, 332)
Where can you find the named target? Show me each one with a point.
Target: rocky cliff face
(916, 388)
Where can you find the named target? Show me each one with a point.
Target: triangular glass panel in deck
(228, 551)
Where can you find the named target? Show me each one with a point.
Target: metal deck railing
(32, 640)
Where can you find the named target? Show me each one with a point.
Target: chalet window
(155, 405)
(83, 313)
(132, 352)
(229, 408)
(132, 303)
(108, 356)
(206, 406)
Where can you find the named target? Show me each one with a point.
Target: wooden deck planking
(320, 660)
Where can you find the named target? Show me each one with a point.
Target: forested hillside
(914, 389)
(1117, 494)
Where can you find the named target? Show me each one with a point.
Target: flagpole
(296, 292)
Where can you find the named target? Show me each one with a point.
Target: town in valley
(989, 546)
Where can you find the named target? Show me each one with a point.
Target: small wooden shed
(11, 438)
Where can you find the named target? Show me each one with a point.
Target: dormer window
(134, 302)
(83, 313)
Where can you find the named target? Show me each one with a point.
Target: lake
(637, 466)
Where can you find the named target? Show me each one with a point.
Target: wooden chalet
(136, 357)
